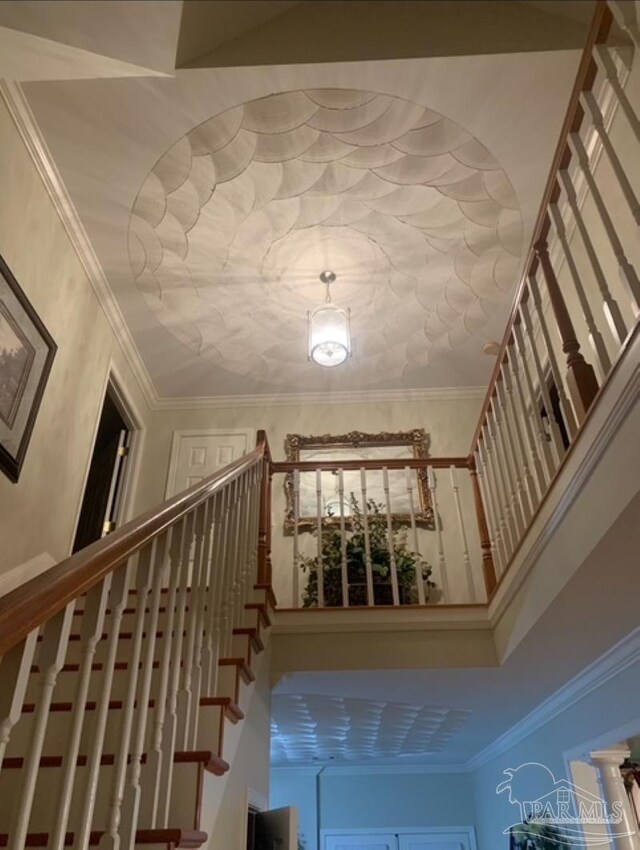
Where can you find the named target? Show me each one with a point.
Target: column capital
(611, 755)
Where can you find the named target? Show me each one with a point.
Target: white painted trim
(299, 399)
(610, 664)
(178, 436)
(468, 832)
(20, 111)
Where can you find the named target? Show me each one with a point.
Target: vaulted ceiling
(402, 145)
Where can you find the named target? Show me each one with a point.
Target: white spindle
(212, 644)
(610, 307)
(50, 659)
(320, 557)
(392, 555)
(131, 801)
(16, 666)
(603, 56)
(118, 596)
(489, 509)
(453, 472)
(343, 542)
(524, 436)
(296, 541)
(367, 540)
(95, 604)
(524, 481)
(595, 337)
(502, 530)
(554, 427)
(414, 535)
(442, 566)
(505, 492)
(225, 626)
(627, 273)
(532, 411)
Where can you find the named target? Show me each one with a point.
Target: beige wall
(38, 514)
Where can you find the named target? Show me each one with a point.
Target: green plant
(407, 562)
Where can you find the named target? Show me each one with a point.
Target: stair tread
(116, 704)
(182, 757)
(245, 670)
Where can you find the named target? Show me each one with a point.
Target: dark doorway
(102, 493)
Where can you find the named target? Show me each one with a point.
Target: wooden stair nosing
(253, 635)
(171, 837)
(211, 762)
(231, 709)
(117, 704)
(263, 613)
(245, 671)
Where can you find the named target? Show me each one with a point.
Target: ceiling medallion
(329, 329)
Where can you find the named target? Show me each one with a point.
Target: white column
(607, 763)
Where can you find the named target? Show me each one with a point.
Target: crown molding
(299, 399)
(25, 122)
(367, 769)
(622, 655)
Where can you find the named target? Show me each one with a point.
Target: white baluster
(524, 481)
(520, 425)
(513, 461)
(503, 537)
(319, 555)
(603, 56)
(120, 583)
(367, 540)
(212, 646)
(296, 542)
(554, 427)
(392, 555)
(491, 519)
(591, 104)
(154, 758)
(171, 717)
(144, 578)
(610, 307)
(15, 667)
(95, 604)
(453, 472)
(627, 273)
(131, 799)
(533, 411)
(50, 660)
(442, 566)
(496, 463)
(414, 535)
(343, 542)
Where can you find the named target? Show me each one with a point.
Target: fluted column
(607, 763)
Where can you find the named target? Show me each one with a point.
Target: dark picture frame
(27, 350)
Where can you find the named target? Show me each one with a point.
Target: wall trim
(614, 661)
(299, 399)
(25, 122)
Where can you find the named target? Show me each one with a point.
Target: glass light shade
(329, 335)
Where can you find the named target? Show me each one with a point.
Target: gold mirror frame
(417, 442)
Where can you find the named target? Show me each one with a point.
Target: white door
(197, 454)
(434, 841)
(363, 841)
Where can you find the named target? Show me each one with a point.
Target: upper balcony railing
(574, 313)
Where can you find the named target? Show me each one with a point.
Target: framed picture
(357, 445)
(26, 354)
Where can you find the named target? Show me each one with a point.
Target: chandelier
(329, 329)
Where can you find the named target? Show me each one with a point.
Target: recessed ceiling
(418, 179)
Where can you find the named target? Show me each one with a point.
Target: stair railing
(182, 575)
(576, 309)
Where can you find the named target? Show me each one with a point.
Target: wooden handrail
(598, 32)
(396, 463)
(40, 599)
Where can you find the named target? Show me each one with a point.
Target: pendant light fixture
(329, 329)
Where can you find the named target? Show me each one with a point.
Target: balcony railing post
(264, 534)
(581, 379)
(488, 567)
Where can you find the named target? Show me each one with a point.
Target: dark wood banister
(40, 599)
(598, 32)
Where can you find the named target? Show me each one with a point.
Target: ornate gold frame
(417, 439)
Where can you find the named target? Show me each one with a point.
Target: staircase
(115, 705)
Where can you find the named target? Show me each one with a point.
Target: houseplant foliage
(407, 562)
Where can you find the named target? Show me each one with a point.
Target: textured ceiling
(412, 213)
(311, 727)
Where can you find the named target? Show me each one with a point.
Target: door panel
(364, 841)
(195, 456)
(435, 841)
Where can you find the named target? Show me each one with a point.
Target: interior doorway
(103, 492)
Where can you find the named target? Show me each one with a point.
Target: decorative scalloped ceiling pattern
(233, 225)
(308, 728)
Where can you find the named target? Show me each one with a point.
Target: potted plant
(409, 564)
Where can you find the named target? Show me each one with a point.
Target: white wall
(38, 514)
(370, 799)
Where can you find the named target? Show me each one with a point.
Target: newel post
(488, 567)
(581, 379)
(264, 531)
